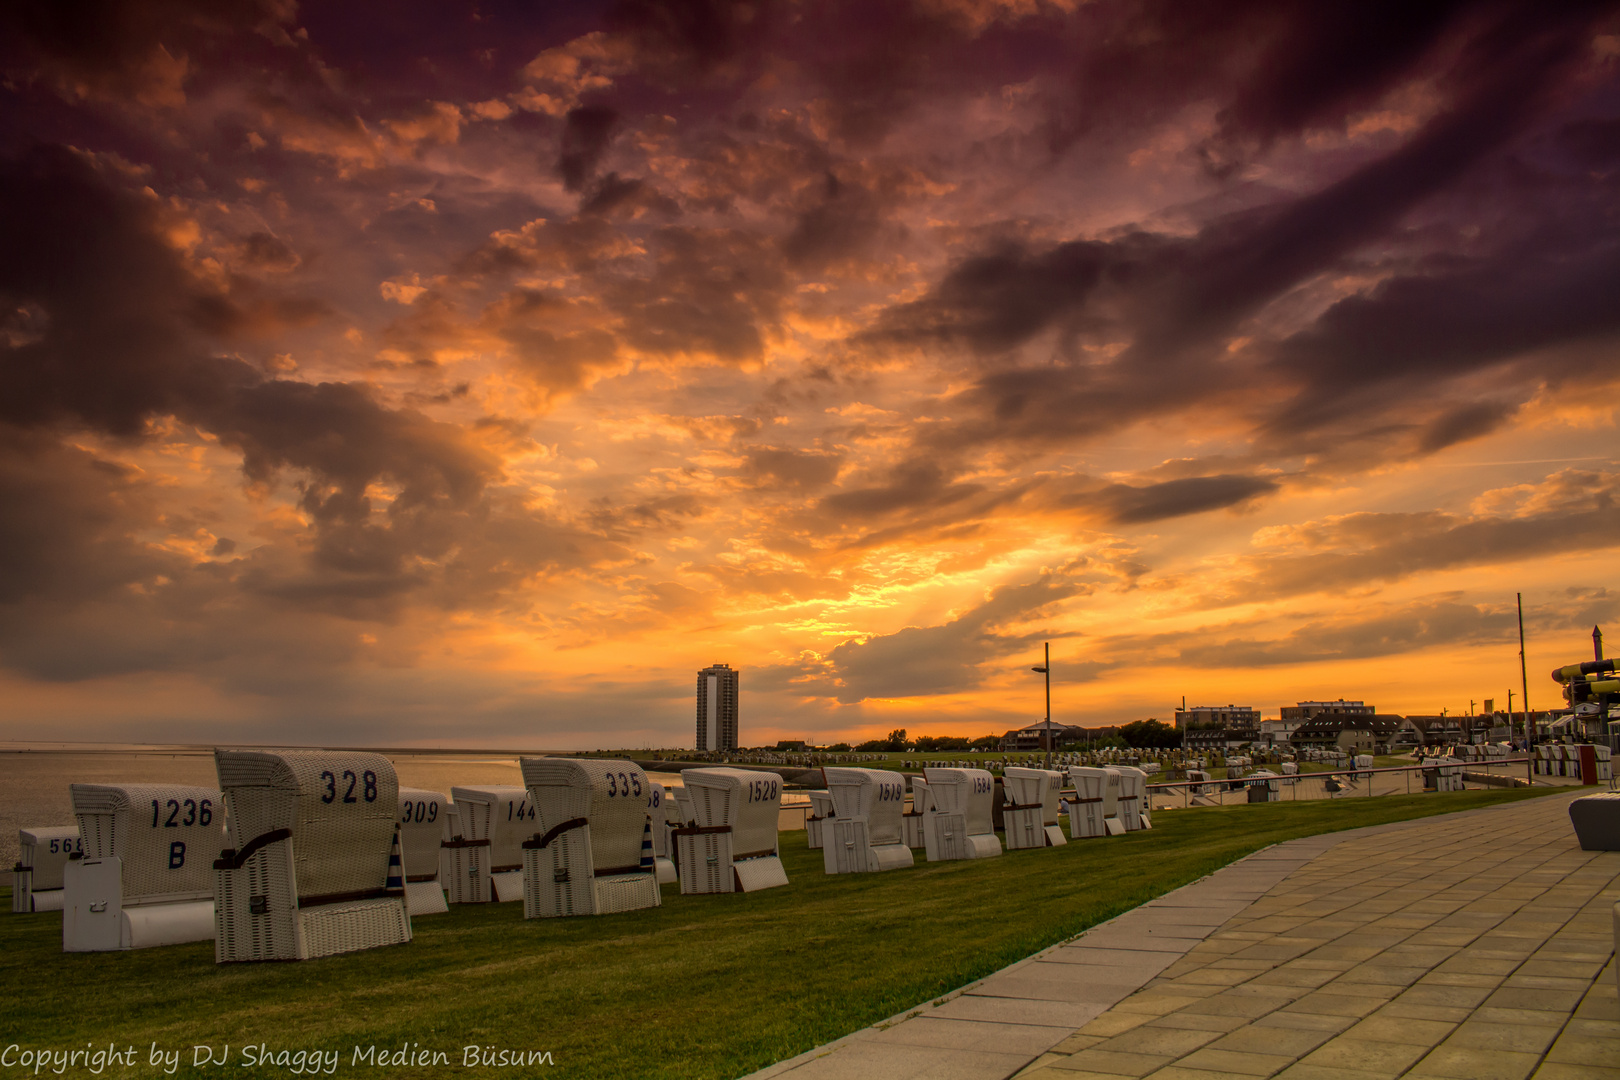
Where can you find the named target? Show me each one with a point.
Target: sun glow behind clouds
(482, 383)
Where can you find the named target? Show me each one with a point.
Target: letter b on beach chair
(316, 869)
(732, 846)
(147, 876)
(593, 852)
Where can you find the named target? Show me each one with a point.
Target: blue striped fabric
(646, 845)
(396, 866)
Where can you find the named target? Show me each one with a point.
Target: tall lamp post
(1046, 669)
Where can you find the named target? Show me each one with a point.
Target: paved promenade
(1476, 946)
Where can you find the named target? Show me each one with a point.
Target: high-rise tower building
(717, 708)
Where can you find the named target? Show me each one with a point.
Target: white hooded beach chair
(1088, 813)
(960, 824)
(463, 863)
(732, 846)
(315, 868)
(661, 810)
(424, 820)
(1031, 812)
(1130, 800)
(912, 820)
(36, 880)
(865, 834)
(816, 822)
(146, 877)
(591, 853)
(505, 816)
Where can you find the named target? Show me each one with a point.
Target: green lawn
(708, 986)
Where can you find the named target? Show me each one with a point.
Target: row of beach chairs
(862, 825)
(1558, 759)
(301, 854)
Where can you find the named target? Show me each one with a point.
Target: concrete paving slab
(1471, 945)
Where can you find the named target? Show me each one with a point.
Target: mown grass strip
(702, 987)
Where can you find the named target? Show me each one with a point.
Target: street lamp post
(1046, 669)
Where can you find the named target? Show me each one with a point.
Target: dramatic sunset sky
(438, 373)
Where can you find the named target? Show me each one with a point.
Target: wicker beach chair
(424, 819)
(960, 824)
(591, 853)
(1030, 814)
(732, 847)
(146, 876)
(815, 823)
(1088, 815)
(1131, 798)
(865, 833)
(661, 808)
(463, 863)
(912, 820)
(42, 852)
(505, 816)
(315, 868)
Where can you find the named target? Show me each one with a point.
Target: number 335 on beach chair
(316, 868)
(732, 845)
(145, 876)
(593, 853)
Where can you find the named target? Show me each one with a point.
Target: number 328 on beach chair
(593, 854)
(732, 845)
(316, 869)
(145, 876)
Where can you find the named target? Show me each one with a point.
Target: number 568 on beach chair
(36, 880)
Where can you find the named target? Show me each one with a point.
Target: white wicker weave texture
(963, 809)
(167, 837)
(745, 804)
(1026, 789)
(866, 833)
(42, 853)
(592, 818)
(314, 831)
(422, 816)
